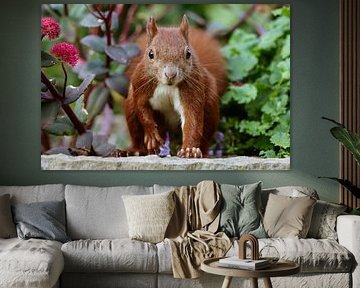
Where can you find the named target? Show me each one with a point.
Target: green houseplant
(351, 141)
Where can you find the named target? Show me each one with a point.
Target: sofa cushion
(35, 193)
(240, 210)
(287, 216)
(30, 263)
(98, 213)
(291, 191)
(116, 255)
(7, 226)
(43, 220)
(323, 222)
(313, 255)
(149, 215)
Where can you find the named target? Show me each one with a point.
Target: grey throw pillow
(7, 227)
(44, 220)
(323, 222)
(240, 212)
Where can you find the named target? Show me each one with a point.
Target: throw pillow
(240, 212)
(7, 227)
(44, 220)
(323, 222)
(149, 215)
(287, 217)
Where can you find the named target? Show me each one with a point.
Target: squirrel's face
(168, 56)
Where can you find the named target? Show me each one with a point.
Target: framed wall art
(165, 86)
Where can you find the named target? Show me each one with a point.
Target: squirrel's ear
(151, 28)
(184, 27)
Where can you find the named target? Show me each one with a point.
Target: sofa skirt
(108, 280)
(136, 280)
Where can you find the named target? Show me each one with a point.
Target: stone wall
(153, 162)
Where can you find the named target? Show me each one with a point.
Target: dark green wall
(314, 93)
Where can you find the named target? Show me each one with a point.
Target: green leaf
(276, 30)
(241, 65)
(253, 128)
(73, 93)
(281, 139)
(285, 51)
(267, 154)
(349, 139)
(80, 110)
(96, 67)
(91, 21)
(97, 100)
(283, 11)
(131, 49)
(117, 53)
(347, 184)
(49, 112)
(94, 42)
(241, 40)
(47, 60)
(241, 94)
(119, 83)
(276, 105)
(61, 127)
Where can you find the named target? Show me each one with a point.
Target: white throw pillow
(149, 215)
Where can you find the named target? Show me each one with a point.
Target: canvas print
(165, 86)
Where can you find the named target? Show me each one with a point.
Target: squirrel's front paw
(190, 153)
(153, 141)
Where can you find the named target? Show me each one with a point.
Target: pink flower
(50, 27)
(66, 52)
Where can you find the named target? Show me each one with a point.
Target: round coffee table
(281, 268)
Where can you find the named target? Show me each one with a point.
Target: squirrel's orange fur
(178, 79)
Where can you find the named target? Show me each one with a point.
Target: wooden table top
(281, 268)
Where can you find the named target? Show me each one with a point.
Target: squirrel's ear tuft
(151, 29)
(184, 27)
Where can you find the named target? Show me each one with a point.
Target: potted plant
(351, 141)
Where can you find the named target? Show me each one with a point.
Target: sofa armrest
(348, 230)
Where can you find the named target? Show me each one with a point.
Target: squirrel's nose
(170, 73)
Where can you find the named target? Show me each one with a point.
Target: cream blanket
(191, 231)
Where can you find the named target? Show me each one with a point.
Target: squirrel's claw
(193, 152)
(153, 141)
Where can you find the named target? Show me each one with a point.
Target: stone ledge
(153, 162)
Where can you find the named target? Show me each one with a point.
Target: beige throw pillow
(149, 215)
(288, 217)
(7, 226)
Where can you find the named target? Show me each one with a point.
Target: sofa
(100, 253)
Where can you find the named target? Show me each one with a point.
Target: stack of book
(236, 262)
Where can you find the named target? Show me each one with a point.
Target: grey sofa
(101, 255)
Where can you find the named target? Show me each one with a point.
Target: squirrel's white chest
(166, 99)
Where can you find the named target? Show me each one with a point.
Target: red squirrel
(175, 82)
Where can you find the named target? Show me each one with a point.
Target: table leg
(267, 283)
(227, 282)
(254, 282)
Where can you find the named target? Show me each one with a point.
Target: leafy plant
(255, 109)
(72, 111)
(351, 141)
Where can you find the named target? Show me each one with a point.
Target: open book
(236, 262)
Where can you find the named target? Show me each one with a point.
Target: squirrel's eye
(188, 53)
(151, 54)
